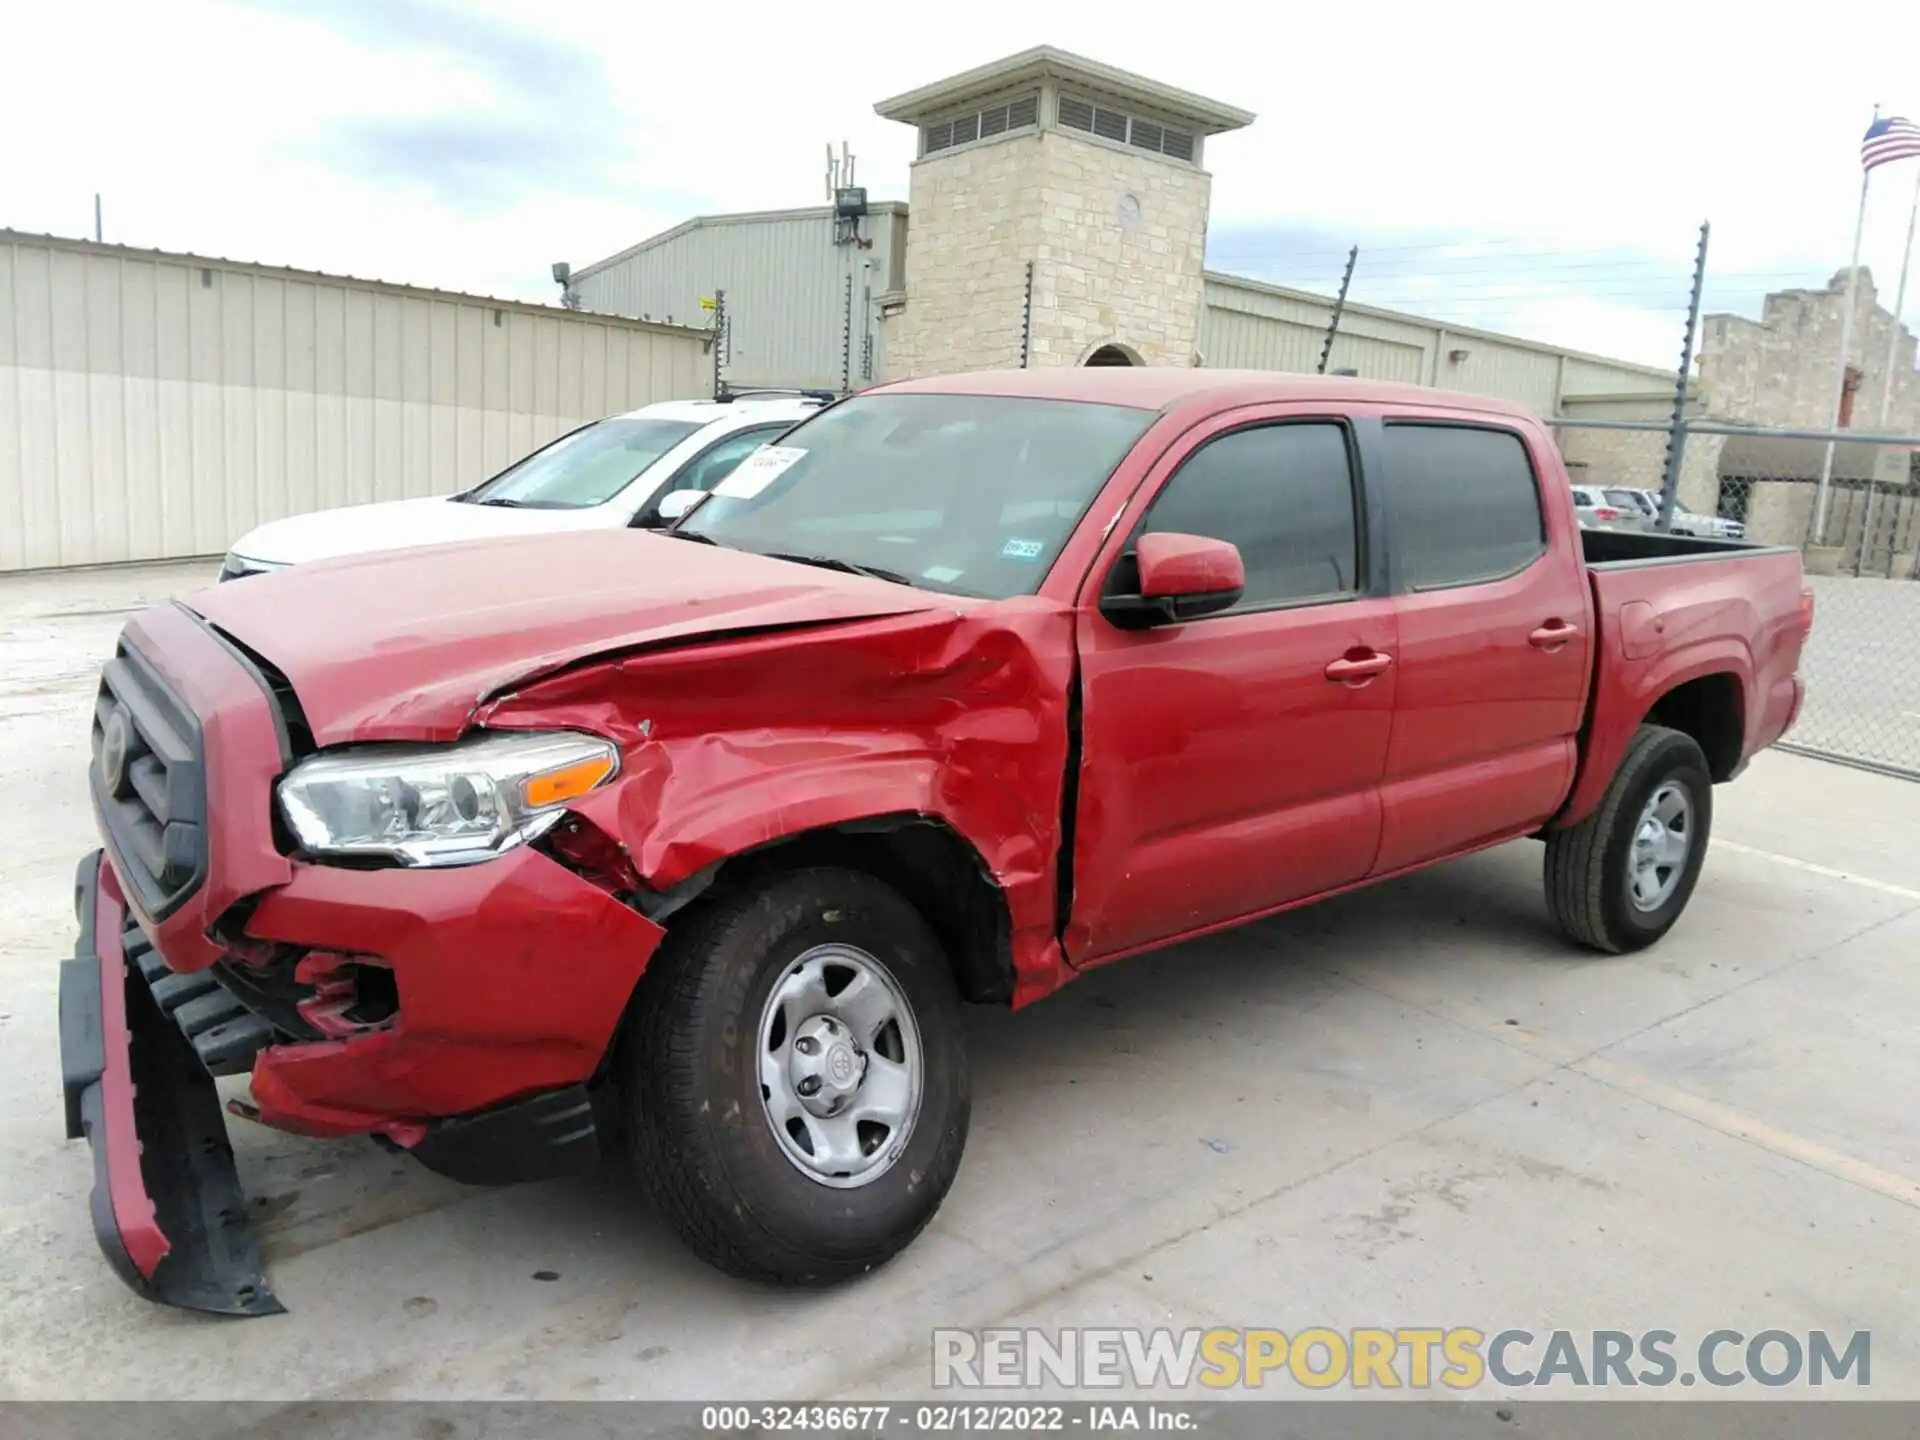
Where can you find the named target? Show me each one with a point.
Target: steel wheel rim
(840, 1066)
(1662, 841)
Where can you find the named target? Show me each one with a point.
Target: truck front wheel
(796, 1078)
(1619, 879)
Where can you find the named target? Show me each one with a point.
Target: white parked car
(1685, 522)
(1596, 512)
(642, 468)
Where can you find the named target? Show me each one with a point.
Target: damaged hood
(405, 645)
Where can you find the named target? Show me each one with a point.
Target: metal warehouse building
(1057, 215)
(157, 405)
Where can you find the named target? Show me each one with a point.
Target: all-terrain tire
(1588, 870)
(699, 1132)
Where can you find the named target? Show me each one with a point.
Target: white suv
(1685, 522)
(641, 468)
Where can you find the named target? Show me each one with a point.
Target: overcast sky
(1528, 167)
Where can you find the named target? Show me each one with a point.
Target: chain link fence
(1862, 664)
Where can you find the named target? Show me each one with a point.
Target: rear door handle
(1552, 635)
(1358, 670)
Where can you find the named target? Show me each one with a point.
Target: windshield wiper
(506, 502)
(693, 535)
(847, 567)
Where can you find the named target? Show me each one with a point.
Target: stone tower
(1085, 178)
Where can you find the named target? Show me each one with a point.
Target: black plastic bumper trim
(548, 1136)
(186, 1163)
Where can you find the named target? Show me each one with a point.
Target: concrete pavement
(1415, 1105)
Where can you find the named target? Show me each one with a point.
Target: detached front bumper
(463, 1014)
(488, 1079)
(167, 1206)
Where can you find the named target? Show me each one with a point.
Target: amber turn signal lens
(558, 786)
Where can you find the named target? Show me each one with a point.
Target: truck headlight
(441, 804)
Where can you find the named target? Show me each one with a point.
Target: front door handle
(1552, 635)
(1357, 670)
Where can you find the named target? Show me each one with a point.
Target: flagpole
(1840, 375)
(1899, 304)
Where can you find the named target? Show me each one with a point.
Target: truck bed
(1673, 611)
(1616, 548)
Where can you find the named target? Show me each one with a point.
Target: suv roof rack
(769, 392)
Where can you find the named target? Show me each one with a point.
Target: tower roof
(1209, 117)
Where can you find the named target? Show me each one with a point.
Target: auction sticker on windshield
(759, 470)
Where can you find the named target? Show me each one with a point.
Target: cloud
(1500, 165)
(1618, 301)
(1624, 301)
(506, 110)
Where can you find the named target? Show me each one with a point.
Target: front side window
(971, 494)
(588, 467)
(1283, 494)
(1462, 505)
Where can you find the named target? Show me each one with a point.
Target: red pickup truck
(514, 854)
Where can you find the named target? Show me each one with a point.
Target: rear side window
(1284, 495)
(1462, 505)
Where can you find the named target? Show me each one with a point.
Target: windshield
(588, 467)
(1628, 500)
(972, 494)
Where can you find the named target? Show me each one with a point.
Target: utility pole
(1026, 322)
(1339, 306)
(1677, 431)
(846, 341)
(99, 232)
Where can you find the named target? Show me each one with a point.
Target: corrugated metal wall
(1235, 338)
(156, 406)
(1246, 324)
(786, 289)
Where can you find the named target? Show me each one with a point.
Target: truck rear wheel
(1619, 879)
(796, 1078)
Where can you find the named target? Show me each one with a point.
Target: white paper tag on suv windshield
(759, 470)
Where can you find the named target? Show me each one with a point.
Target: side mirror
(676, 503)
(1182, 577)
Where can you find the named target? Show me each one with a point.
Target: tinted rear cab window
(1462, 505)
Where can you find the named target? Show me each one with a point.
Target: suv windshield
(971, 494)
(588, 467)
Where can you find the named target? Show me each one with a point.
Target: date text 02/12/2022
(948, 1419)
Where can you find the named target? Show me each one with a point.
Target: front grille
(149, 783)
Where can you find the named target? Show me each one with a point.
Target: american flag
(1891, 137)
